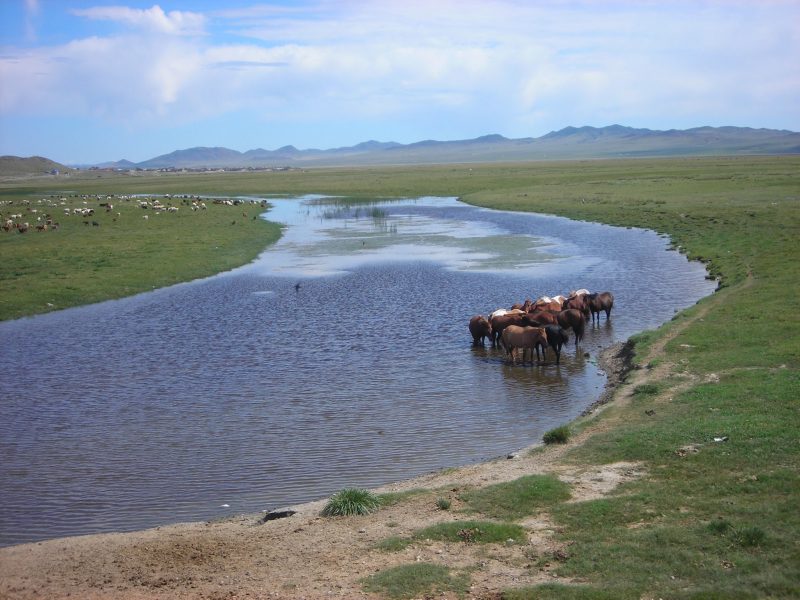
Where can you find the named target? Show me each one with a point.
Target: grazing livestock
(602, 301)
(556, 338)
(525, 338)
(543, 317)
(572, 318)
(499, 323)
(505, 311)
(546, 303)
(578, 303)
(523, 306)
(480, 328)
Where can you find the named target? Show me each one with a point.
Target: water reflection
(244, 390)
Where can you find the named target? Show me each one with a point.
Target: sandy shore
(305, 555)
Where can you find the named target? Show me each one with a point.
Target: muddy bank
(617, 362)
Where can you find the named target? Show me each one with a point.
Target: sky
(83, 82)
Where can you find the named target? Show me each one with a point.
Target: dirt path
(310, 557)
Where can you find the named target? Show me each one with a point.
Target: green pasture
(720, 521)
(123, 254)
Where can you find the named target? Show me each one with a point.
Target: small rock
(278, 514)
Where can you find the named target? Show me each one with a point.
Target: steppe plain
(655, 507)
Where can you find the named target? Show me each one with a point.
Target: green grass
(392, 498)
(126, 254)
(417, 580)
(479, 532)
(517, 499)
(559, 435)
(731, 503)
(393, 543)
(554, 591)
(443, 504)
(469, 532)
(351, 501)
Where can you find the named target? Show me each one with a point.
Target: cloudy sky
(88, 81)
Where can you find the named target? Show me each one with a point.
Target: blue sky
(91, 81)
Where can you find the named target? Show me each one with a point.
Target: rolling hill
(15, 166)
(613, 141)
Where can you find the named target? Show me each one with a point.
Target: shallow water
(247, 391)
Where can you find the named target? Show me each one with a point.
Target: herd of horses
(541, 324)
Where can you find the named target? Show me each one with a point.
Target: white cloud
(150, 19)
(506, 66)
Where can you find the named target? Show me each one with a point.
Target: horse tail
(579, 328)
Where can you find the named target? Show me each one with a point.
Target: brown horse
(523, 306)
(526, 338)
(573, 319)
(602, 301)
(543, 317)
(579, 303)
(480, 328)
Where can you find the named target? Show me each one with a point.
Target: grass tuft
(646, 389)
(351, 501)
(559, 435)
(394, 543)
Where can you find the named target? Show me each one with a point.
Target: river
(340, 357)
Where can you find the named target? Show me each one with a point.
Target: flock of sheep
(541, 324)
(24, 215)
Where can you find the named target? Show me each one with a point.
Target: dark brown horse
(602, 301)
(573, 319)
(556, 338)
(480, 328)
(578, 303)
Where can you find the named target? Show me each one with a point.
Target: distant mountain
(613, 141)
(568, 143)
(15, 166)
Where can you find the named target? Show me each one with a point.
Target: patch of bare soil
(306, 556)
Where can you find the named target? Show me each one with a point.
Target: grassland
(711, 519)
(129, 250)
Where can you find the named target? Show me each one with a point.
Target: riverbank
(697, 451)
(308, 556)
